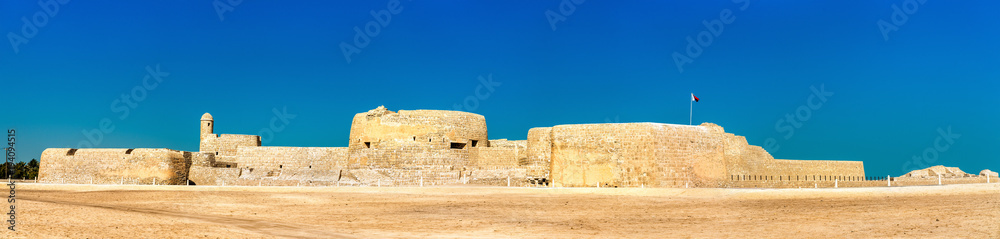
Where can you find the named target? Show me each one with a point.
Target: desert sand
(114, 211)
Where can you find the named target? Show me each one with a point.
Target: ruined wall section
(114, 166)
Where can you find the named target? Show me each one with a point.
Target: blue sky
(551, 62)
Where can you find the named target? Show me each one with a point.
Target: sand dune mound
(987, 172)
(935, 171)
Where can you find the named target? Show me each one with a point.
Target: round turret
(440, 128)
(206, 126)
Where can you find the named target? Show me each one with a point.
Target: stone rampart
(435, 147)
(225, 146)
(275, 158)
(665, 155)
(631, 155)
(539, 152)
(436, 127)
(114, 166)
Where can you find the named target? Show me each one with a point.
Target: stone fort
(437, 147)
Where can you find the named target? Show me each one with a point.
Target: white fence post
(888, 181)
(939, 179)
(836, 183)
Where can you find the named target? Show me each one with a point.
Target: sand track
(96, 211)
(260, 226)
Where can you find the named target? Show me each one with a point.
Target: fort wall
(434, 147)
(632, 155)
(665, 155)
(436, 127)
(225, 146)
(495, 156)
(275, 158)
(114, 166)
(539, 152)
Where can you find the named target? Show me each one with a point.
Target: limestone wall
(665, 155)
(273, 158)
(631, 155)
(225, 146)
(200, 175)
(407, 162)
(743, 160)
(114, 166)
(436, 127)
(495, 156)
(434, 147)
(539, 152)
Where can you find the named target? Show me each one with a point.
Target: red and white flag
(694, 98)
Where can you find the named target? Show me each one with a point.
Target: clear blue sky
(601, 61)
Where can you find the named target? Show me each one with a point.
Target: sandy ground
(103, 211)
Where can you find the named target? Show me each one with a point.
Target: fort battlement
(437, 147)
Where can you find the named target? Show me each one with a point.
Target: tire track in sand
(259, 226)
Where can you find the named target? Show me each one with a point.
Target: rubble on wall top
(381, 110)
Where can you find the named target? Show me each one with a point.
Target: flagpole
(691, 114)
